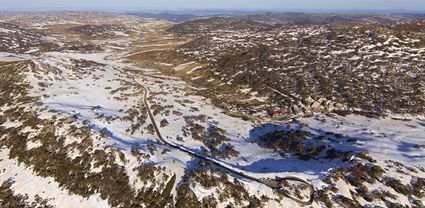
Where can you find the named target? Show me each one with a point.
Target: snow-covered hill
(77, 131)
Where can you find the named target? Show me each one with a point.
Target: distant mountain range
(288, 18)
(315, 18)
(173, 17)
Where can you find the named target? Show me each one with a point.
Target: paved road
(275, 184)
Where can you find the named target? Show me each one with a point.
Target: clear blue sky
(212, 4)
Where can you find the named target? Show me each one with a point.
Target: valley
(115, 110)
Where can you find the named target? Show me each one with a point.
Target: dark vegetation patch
(106, 30)
(212, 137)
(306, 145)
(80, 46)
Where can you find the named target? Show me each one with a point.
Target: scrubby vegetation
(212, 136)
(315, 62)
(107, 30)
(75, 118)
(306, 145)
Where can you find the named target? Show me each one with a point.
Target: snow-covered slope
(75, 131)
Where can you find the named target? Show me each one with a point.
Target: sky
(140, 5)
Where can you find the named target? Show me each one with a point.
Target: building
(277, 113)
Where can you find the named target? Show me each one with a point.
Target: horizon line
(188, 10)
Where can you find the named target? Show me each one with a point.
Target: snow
(343, 52)
(74, 96)
(14, 57)
(384, 138)
(119, 33)
(183, 66)
(3, 30)
(87, 96)
(202, 192)
(71, 94)
(194, 69)
(26, 182)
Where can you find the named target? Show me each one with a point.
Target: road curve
(272, 183)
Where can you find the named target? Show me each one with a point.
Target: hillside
(110, 110)
(325, 18)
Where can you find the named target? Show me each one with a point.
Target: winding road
(275, 184)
